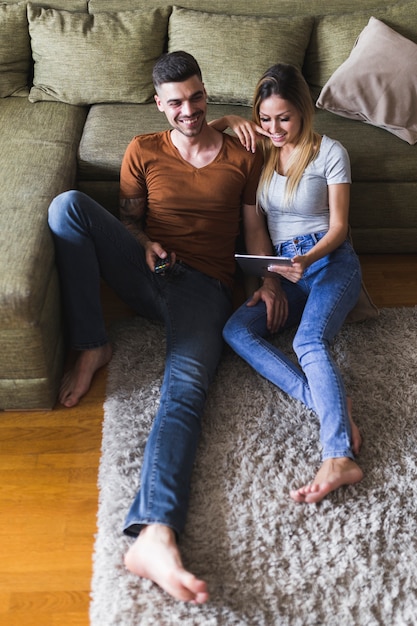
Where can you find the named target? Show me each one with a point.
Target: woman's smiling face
(281, 120)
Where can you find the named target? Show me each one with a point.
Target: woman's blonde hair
(287, 82)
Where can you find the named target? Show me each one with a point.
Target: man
(182, 192)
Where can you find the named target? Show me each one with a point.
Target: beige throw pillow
(377, 84)
(364, 309)
(15, 56)
(233, 51)
(334, 36)
(84, 59)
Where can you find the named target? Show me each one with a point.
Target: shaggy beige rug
(350, 560)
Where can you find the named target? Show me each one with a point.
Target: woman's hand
(293, 272)
(276, 303)
(246, 131)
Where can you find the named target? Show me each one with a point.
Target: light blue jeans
(318, 304)
(91, 243)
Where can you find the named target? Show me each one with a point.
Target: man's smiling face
(184, 105)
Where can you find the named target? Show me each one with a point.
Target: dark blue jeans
(91, 243)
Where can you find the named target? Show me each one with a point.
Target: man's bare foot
(155, 555)
(77, 381)
(356, 438)
(333, 474)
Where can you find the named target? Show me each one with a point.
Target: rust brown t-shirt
(194, 212)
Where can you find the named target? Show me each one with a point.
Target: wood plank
(391, 279)
(60, 608)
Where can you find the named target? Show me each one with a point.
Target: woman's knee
(228, 329)
(310, 346)
(243, 327)
(235, 330)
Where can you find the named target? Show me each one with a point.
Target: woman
(304, 195)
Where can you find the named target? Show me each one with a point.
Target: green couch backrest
(316, 35)
(243, 7)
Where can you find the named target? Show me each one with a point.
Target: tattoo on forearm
(132, 212)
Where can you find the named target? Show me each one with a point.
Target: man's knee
(58, 209)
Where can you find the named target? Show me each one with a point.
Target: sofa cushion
(366, 144)
(37, 166)
(107, 131)
(334, 36)
(15, 55)
(84, 59)
(240, 7)
(233, 51)
(377, 84)
(68, 5)
(110, 127)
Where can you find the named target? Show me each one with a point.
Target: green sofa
(75, 87)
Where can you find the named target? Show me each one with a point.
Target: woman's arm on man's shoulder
(247, 131)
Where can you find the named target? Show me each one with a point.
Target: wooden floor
(48, 492)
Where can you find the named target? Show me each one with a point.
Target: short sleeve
(337, 166)
(132, 178)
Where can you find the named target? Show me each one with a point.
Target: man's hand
(154, 252)
(276, 303)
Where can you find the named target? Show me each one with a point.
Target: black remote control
(162, 265)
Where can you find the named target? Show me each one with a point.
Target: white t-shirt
(309, 210)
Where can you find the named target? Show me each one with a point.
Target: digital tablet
(258, 265)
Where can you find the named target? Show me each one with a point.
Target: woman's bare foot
(77, 381)
(155, 556)
(333, 474)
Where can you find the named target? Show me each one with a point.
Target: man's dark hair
(175, 67)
